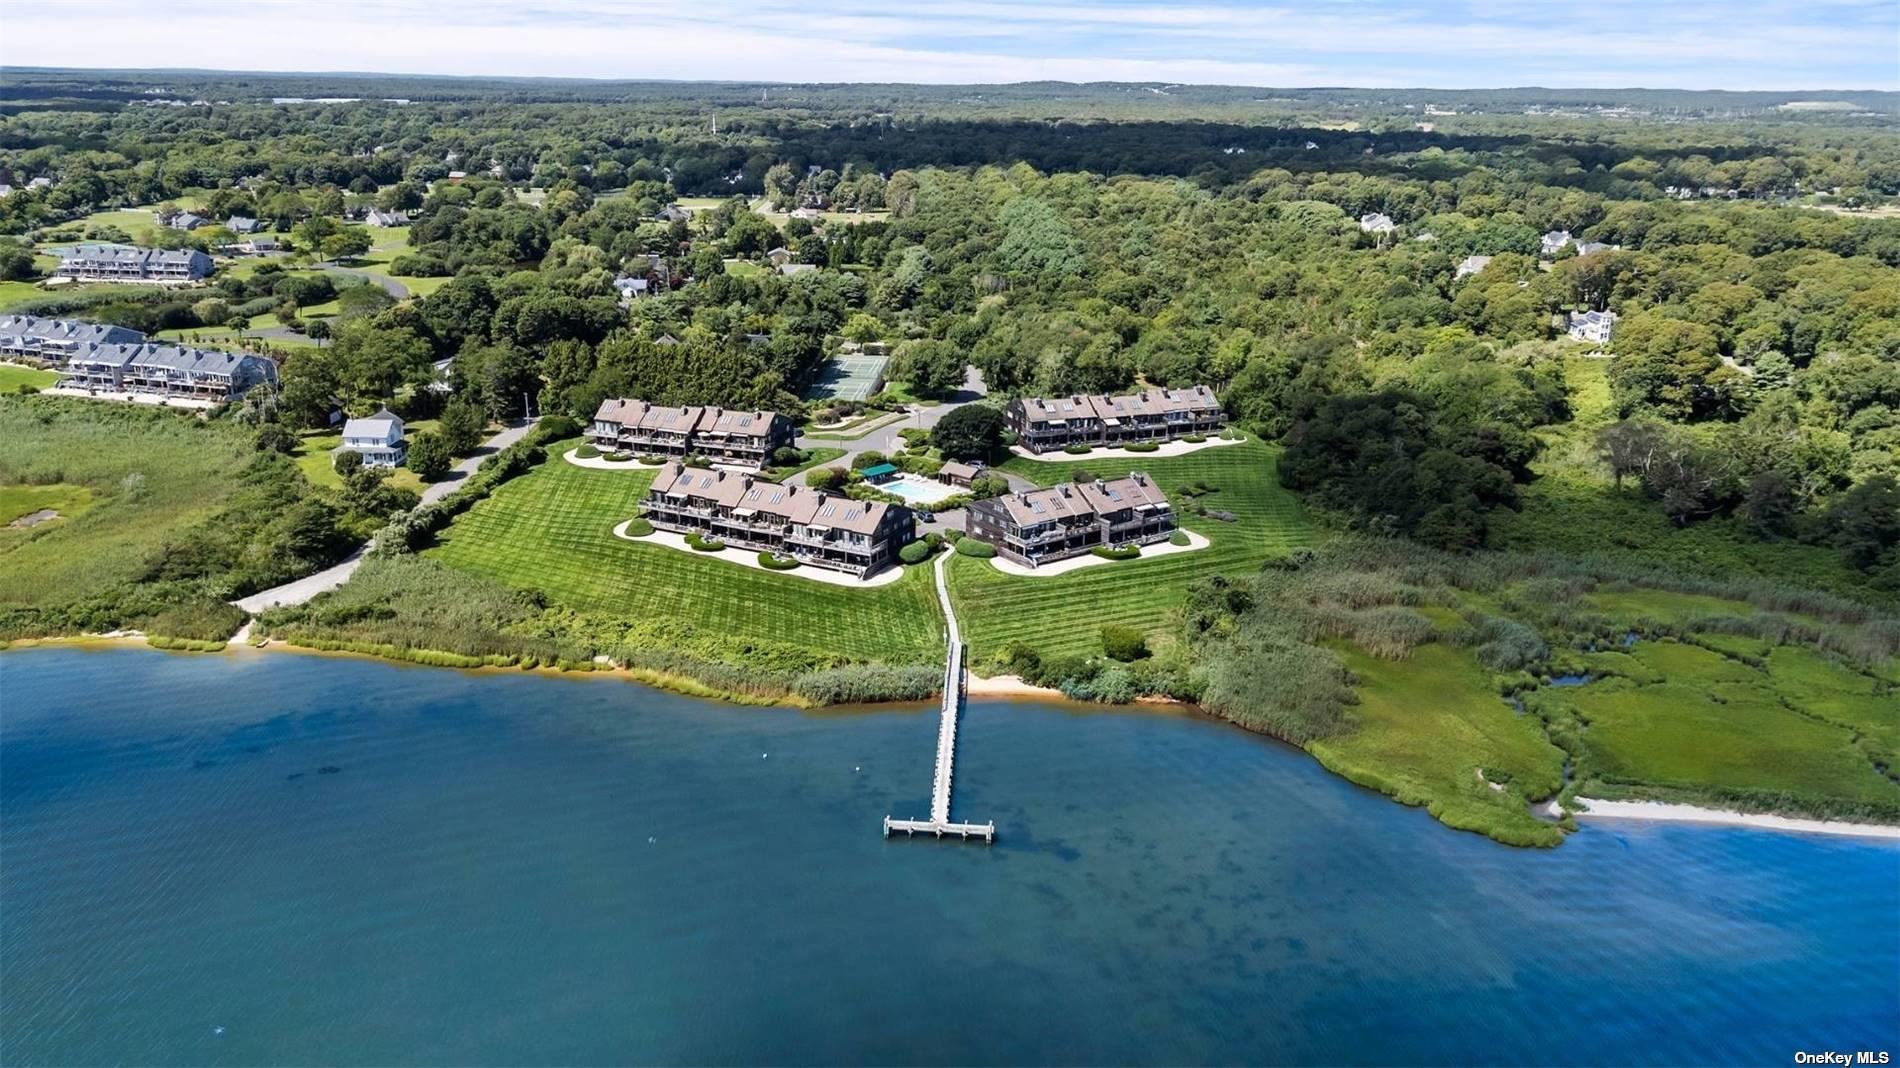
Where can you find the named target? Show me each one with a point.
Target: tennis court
(850, 377)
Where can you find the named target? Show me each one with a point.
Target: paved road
(337, 574)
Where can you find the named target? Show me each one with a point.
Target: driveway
(337, 574)
(888, 439)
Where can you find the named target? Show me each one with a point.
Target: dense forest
(1755, 370)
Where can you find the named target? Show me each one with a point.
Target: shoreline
(1666, 812)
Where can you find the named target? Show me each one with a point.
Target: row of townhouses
(1043, 525)
(1042, 424)
(122, 263)
(168, 370)
(30, 337)
(725, 435)
(809, 525)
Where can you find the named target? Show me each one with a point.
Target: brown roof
(1083, 501)
(794, 504)
(957, 470)
(641, 415)
(1110, 409)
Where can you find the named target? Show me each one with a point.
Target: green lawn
(1426, 726)
(12, 377)
(552, 531)
(745, 269)
(1064, 614)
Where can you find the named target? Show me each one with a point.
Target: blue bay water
(260, 858)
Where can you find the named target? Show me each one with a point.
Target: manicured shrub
(914, 553)
(1078, 449)
(786, 456)
(1124, 643)
(1124, 552)
(776, 563)
(1141, 446)
(700, 543)
(953, 536)
(1179, 537)
(587, 452)
(827, 478)
(976, 547)
(1195, 439)
(652, 461)
(638, 528)
(869, 458)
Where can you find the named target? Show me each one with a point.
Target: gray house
(242, 224)
(157, 369)
(58, 340)
(118, 263)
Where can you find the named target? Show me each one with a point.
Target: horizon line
(600, 80)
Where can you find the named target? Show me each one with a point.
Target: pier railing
(939, 822)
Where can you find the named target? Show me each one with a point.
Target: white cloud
(1692, 44)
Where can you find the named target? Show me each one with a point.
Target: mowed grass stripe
(1065, 614)
(551, 530)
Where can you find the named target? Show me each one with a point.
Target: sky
(1451, 44)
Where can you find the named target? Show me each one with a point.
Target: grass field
(1064, 614)
(14, 292)
(1427, 726)
(12, 377)
(147, 475)
(552, 531)
(1710, 722)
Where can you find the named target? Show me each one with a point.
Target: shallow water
(281, 858)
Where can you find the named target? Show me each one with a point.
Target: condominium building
(121, 263)
(168, 370)
(812, 526)
(57, 340)
(723, 435)
(1044, 423)
(1057, 522)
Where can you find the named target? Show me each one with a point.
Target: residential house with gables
(1068, 519)
(1046, 423)
(56, 341)
(377, 439)
(165, 370)
(722, 435)
(122, 263)
(811, 526)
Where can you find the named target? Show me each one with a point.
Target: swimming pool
(917, 488)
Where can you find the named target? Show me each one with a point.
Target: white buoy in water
(217, 1030)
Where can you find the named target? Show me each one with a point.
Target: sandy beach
(1657, 810)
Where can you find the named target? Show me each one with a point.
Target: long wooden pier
(939, 822)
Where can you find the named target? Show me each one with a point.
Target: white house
(631, 288)
(1592, 326)
(1471, 265)
(377, 439)
(386, 218)
(1377, 223)
(1554, 242)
